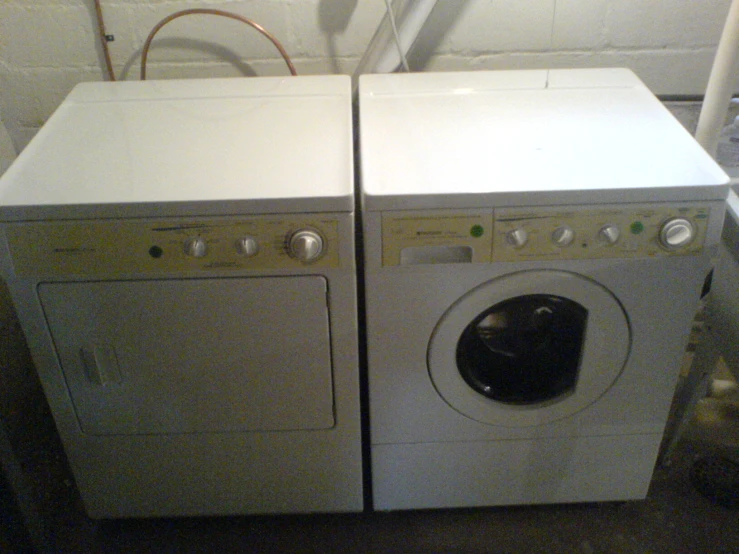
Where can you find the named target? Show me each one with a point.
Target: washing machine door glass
(524, 350)
(529, 348)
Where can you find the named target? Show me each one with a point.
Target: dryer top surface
(443, 139)
(236, 145)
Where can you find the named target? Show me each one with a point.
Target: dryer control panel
(522, 234)
(117, 247)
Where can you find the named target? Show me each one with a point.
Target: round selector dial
(305, 245)
(676, 233)
(609, 234)
(247, 246)
(517, 238)
(196, 247)
(563, 236)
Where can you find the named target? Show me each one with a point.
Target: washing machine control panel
(112, 248)
(520, 234)
(587, 233)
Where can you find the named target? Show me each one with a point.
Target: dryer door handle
(101, 364)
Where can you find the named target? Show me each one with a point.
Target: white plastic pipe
(382, 54)
(721, 84)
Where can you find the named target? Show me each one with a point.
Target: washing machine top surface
(541, 137)
(216, 146)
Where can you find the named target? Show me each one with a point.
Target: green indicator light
(637, 227)
(477, 231)
(701, 216)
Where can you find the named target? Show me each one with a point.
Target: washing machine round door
(529, 348)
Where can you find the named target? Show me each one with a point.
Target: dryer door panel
(194, 355)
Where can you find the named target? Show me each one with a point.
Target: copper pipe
(104, 40)
(207, 11)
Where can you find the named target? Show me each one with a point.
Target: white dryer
(535, 247)
(181, 257)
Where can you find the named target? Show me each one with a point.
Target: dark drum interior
(525, 350)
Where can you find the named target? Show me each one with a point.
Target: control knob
(563, 236)
(305, 245)
(247, 246)
(609, 234)
(517, 238)
(196, 247)
(676, 233)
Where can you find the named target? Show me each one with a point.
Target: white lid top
(189, 146)
(524, 137)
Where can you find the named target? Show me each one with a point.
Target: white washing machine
(181, 257)
(536, 243)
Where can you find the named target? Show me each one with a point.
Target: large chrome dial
(676, 233)
(305, 245)
(196, 247)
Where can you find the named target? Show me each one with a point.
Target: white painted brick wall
(501, 26)
(580, 24)
(664, 23)
(47, 46)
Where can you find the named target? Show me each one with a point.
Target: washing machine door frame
(605, 348)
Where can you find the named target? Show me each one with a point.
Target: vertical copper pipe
(104, 40)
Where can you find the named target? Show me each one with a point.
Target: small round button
(609, 234)
(196, 247)
(517, 238)
(305, 245)
(636, 228)
(676, 233)
(247, 246)
(563, 236)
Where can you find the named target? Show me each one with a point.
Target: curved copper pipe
(104, 40)
(208, 11)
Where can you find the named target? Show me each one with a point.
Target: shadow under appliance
(181, 257)
(535, 244)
